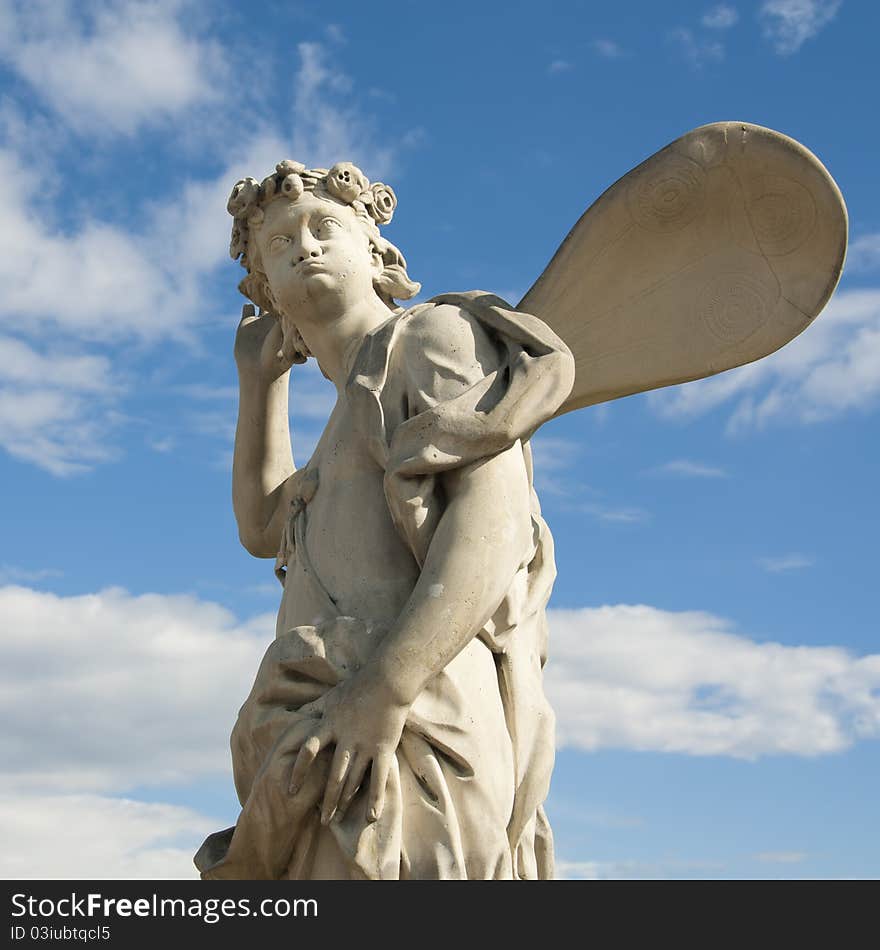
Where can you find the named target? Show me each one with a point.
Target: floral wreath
(345, 182)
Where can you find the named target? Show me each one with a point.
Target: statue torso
(350, 538)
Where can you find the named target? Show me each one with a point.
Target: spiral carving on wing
(782, 212)
(668, 195)
(733, 307)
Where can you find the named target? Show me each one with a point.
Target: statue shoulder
(442, 329)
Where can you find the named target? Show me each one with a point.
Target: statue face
(314, 250)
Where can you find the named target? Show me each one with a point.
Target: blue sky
(714, 635)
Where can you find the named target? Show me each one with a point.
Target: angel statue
(397, 726)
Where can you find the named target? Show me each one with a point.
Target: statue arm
(477, 547)
(262, 463)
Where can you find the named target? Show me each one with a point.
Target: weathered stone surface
(397, 726)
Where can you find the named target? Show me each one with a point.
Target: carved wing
(714, 252)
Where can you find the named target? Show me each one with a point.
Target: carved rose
(384, 203)
(287, 167)
(346, 181)
(244, 194)
(292, 186)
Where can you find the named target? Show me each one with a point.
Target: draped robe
(465, 795)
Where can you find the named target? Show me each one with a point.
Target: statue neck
(334, 337)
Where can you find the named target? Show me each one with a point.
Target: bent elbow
(255, 544)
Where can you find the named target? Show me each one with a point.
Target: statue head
(353, 206)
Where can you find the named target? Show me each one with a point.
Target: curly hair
(343, 184)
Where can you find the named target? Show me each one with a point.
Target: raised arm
(263, 461)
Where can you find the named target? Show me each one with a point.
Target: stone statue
(397, 726)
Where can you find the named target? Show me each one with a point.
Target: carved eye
(329, 226)
(278, 243)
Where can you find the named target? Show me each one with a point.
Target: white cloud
(54, 430)
(111, 68)
(690, 469)
(863, 253)
(108, 284)
(788, 24)
(140, 690)
(99, 282)
(559, 66)
(21, 364)
(55, 406)
(162, 445)
(91, 837)
(131, 690)
(694, 49)
(553, 459)
(785, 563)
(13, 574)
(831, 368)
(720, 17)
(335, 33)
(329, 125)
(607, 49)
(615, 514)
(641, 678)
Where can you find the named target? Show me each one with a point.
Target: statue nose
(308, 247)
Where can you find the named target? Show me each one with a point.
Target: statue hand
(365, 722)
(257, 349)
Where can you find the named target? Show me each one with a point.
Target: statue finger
(248, 314)
(335, 782)
(356, 772)
(307, 754)
(378, 781)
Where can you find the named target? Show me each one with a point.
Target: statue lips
(309, 266)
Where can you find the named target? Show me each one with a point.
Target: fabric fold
(437, 387)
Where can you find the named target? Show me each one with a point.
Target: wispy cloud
(107, 284)
(786, 563)
(330, 126)
(720, 17)
(72, 649)
(99, 281)
(637, 677)
(104, 838)
(556, 465)
(831, 368)
(335, 33)
(689, 469)
(163, 445)
(559, 66)
(56, 407)
(607, 49)
(615, 514)
(111, 68)
(12, 574)
(619, 676)
(863, 253)
(696, 50)
(788, 24)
